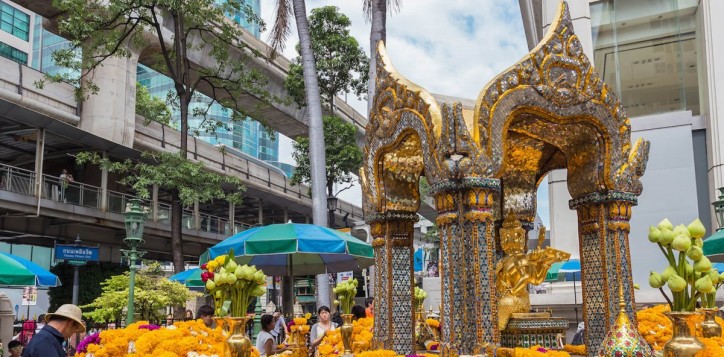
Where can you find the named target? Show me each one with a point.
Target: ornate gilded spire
(623, 340)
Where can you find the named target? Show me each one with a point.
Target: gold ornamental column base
(683, 342)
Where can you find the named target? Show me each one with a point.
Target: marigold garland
(187, 338)
(575, 349)
(656, 329)
(539, 351)
(332, 346)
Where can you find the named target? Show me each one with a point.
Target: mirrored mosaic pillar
(603, 228)
(469, 307)
(394, 318)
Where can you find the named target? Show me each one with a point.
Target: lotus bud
(210, 285)
(676, 283)
(232, 278)
(655, 280)
(218, 294)
(335, 302)
(703, 285)
(665, 223)
(238, 271)
(637, 286)
(694, 253)
(342, 297)
(681, 229)
(689, 269)
(681, 243)
(231, 266)
(713, 276)
(696, 229)
(259, 277)
(667, 236)
(721, 277)
(222, 270)
(699, 242)
(702, 265)
(667, 273)
(258, 291)
(654, 234)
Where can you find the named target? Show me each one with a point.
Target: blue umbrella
(295, 249)
(572, 266)
(191, 278)
(718, 266)
(42, 276)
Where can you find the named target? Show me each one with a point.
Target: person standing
(280, 327)
(265, 343)
(370, 307)
(325, 324)
(60, 326)
(206, 314)
(65, 180)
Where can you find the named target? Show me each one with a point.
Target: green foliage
(152, 293)
(150, 107)
(343, 155)
(91, 276)
(169, 171)
(342, 65)
(102, 29)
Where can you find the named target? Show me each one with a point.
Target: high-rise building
(15, 32)
(249, 136)
(662, 58)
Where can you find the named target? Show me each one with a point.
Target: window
(14, 21)
(13, 53)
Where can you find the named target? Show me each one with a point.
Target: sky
(451, 47)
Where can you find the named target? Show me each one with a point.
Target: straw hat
(69, 311)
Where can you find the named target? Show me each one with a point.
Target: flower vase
(346, 331)
(238, 343)
(683, 342)
(710, 328)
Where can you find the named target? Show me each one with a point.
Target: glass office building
(248, 136)
(15, 32)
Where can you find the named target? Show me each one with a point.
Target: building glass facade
(646, 50)
(14, 21)
(45, 43)
(13, 53)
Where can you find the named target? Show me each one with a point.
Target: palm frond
(393, 6)
(281, 28)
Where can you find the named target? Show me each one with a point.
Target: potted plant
(689, 277)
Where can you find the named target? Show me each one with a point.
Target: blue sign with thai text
(76, 252)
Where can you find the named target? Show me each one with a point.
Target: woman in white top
(324, 324)
(265, 342)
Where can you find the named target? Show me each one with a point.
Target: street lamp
(719, 209)
(135, 217)
(331, 207)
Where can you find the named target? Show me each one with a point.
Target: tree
(150, 107)
(279, 33)
(341, 63)
(190, 179)
(108, 28)
(152, 294)
(91, 276)
(344, 157)
(376, 11)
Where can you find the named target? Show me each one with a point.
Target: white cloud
(451, 47)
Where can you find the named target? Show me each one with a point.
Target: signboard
(344, 276)
(30, 296)
(76, 252)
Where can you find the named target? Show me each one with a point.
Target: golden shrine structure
(551, 110)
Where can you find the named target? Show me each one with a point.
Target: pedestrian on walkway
(60, 325)
(65, 180)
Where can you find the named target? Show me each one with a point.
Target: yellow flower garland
(178, 341)
(579, 350)
(656, 329)
(332, 345)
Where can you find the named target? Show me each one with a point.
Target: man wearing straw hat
(60, 325)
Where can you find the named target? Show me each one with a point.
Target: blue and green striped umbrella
(296, 249)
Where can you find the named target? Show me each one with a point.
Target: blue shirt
(46, 343)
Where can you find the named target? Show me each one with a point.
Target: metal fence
(54, 188)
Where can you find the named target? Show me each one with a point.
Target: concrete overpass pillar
(232, 218)
(154, 202)
(6, 322)
(111, 113)
(197, 216)
(39, 158)
(260, 219)
(104, 187)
